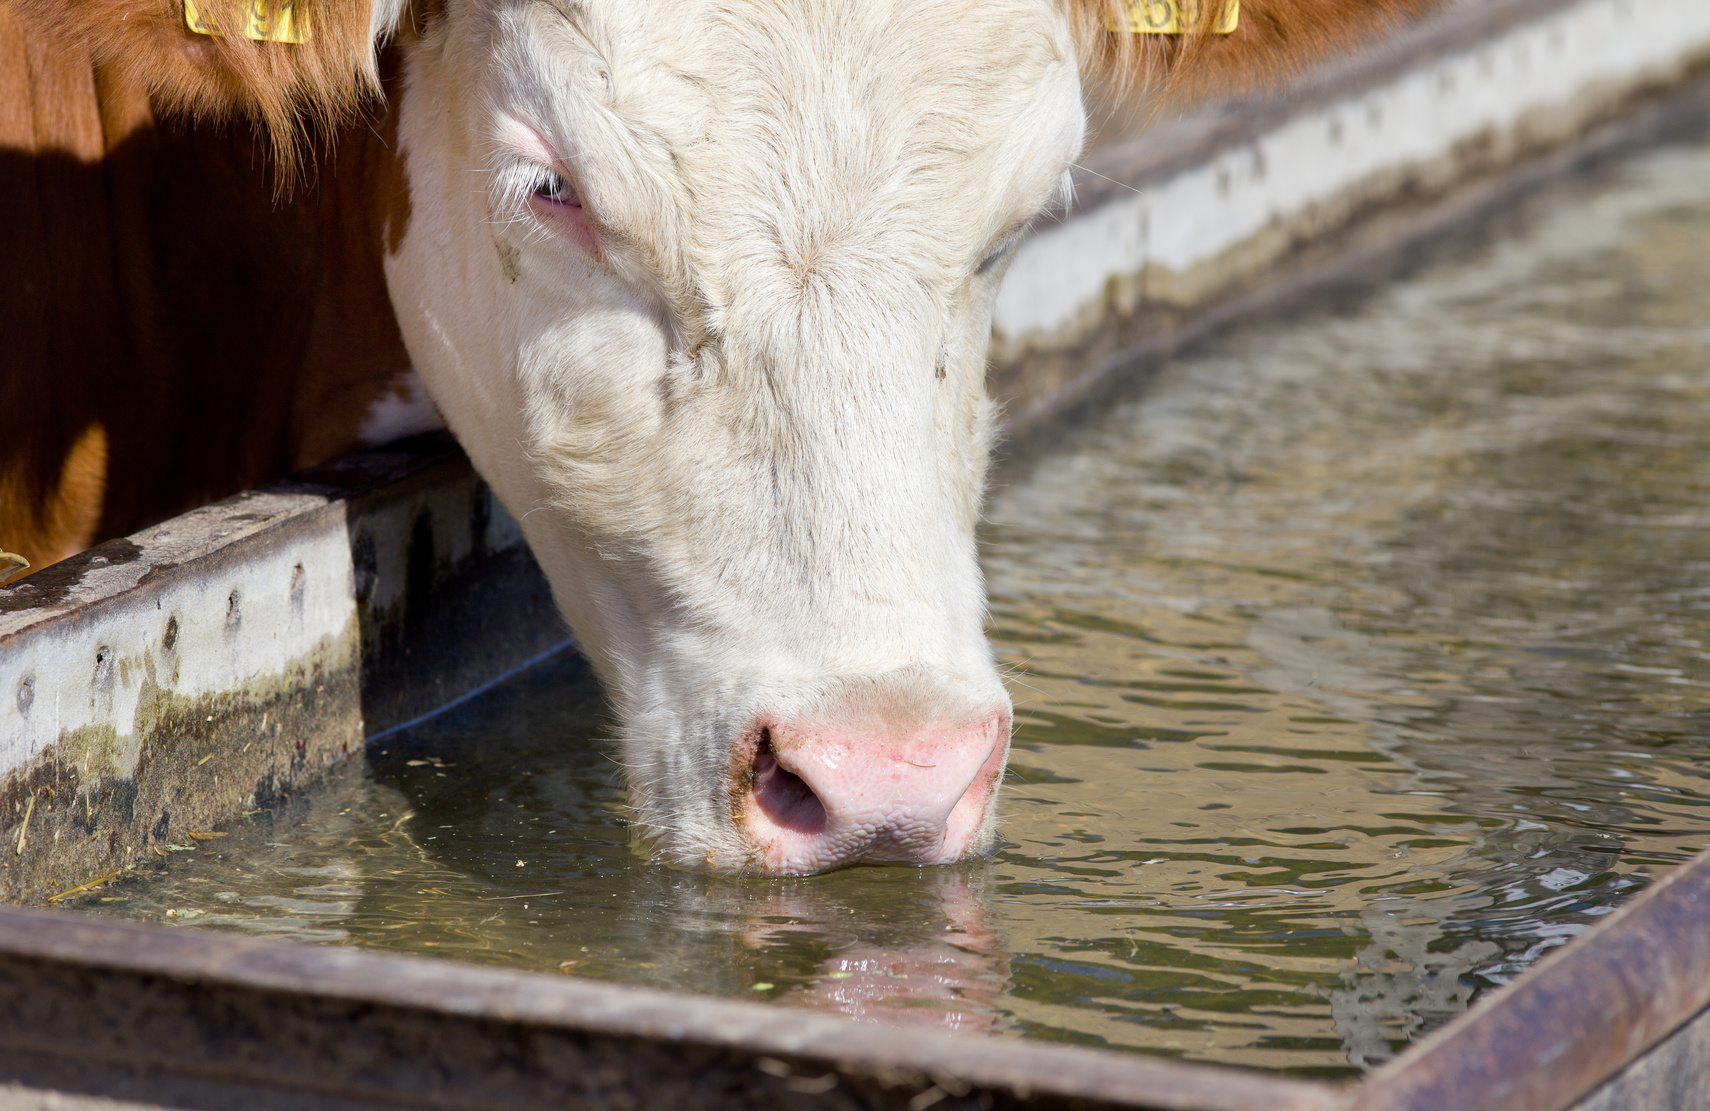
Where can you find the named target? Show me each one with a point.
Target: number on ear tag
(1173, 17)
(261, 22)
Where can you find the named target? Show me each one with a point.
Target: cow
(703, 289)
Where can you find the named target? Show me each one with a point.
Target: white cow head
(705, 291)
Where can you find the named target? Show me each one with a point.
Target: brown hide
(170, 333)
(145, 46)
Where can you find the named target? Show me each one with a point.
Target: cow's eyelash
(553, 186)
(544, 203)
(522, 185)
(518, 187)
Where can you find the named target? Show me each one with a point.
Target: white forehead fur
(748, 442)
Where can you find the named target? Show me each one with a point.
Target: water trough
(161, 684)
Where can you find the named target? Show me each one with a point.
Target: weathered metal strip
(1573, 1021)
(187, 1019)
(1674, 1075)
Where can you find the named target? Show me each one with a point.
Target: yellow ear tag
(260, 23)
(1170, 17)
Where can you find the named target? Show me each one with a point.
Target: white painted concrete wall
(214, 604)
(1417, 118)
(234, 627)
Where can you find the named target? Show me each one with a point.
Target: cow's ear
(1198, 54)
(284, 63)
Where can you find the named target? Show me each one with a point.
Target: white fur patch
(404, 411)
(383, 19)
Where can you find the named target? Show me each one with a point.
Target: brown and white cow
(703, 288)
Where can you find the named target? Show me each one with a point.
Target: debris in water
(82, 887)
(25, 828)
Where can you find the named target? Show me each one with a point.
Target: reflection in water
(947, 970)
(1356, 665)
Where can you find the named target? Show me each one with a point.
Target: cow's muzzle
(810, 797)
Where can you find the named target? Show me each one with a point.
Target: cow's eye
(554, 188)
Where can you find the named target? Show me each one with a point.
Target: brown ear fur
(1274, 39)
(284, 86)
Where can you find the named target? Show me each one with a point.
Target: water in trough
(1360, 661)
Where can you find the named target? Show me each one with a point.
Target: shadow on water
(1359, 663)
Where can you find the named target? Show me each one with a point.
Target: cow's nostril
(783, 796)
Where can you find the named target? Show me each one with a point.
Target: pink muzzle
(813, 797)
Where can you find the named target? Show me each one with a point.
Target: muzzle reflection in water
(934, 961)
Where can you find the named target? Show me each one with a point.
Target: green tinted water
(1357, 664)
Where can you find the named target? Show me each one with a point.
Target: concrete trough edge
(1192, 225)
(161, 683)
(1112, 172)
(1365, 253)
